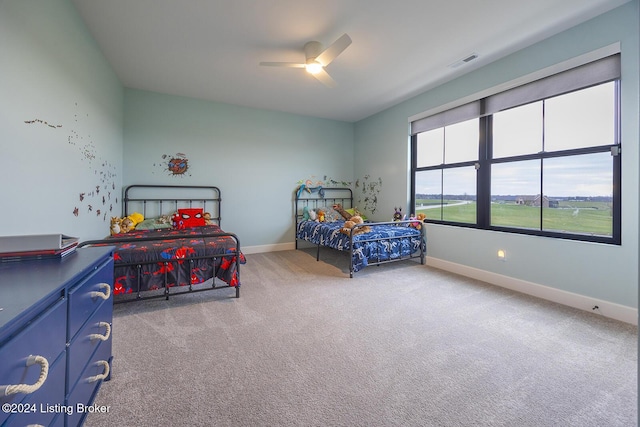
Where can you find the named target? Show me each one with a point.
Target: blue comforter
(382, 243)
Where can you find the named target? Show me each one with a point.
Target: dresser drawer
(44, 340)
(84, 391)
(96, 332)
(42, 406)
(86, 297)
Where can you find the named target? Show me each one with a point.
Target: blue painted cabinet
(55, 337)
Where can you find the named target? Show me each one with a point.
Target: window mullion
(483, 183)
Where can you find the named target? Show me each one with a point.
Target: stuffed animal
(126, 225)
(349, 224)
(321, 215)
(207, 218)
(338, 208)
(115, 225)
(305, 213)
(397, 215)
(129, 223)
(312, 215)
(165, 219)
(417, 220)
(136, 217)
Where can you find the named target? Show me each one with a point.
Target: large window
(540, 159)
(448, 155)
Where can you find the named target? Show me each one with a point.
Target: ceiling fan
(317, 59)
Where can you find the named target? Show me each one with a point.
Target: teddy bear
(349, 224)
(127, 224)
(207, 218)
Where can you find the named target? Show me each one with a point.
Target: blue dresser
(55, 337)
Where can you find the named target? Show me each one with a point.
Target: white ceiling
(210, 49)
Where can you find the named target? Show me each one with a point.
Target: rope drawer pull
(103, 295)
(102, 376)
(99, 336)
(8, 390)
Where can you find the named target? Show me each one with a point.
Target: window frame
(485, 162)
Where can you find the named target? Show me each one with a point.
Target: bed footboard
(379, 257)
(223, 269)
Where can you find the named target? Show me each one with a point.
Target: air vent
(463, 61)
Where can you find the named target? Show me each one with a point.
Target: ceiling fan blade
(330, 53)
(325, 78)
(283, 64)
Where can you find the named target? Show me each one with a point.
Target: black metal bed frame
(344, 196)
(210, 197)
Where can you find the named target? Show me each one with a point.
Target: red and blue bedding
(153, 259)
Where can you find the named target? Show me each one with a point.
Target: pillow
(189, 217)
(331, 215)
(355, 211)
(151, 224)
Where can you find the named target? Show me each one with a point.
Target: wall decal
(325, 182)
(370, 190)
(104, 171)
(174, 164)
(30, 122)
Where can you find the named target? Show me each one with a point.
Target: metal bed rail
(331, 196)
(209, 197)
(403, 223)
(178, 290)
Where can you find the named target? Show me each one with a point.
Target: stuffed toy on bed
(417, 221)
(346, 215)
(115, 225)
(207, 218)
(349, 224)
(398, 215)
(126, 224)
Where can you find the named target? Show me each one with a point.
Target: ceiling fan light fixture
(317, 59)
(313, 67)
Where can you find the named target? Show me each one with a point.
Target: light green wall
(254, 156)
(60, 123)
(605, 272)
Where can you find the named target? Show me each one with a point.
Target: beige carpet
(398, 345)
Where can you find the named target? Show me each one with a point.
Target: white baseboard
(605, 308)
(268, 248)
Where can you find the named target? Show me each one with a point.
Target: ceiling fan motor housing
(312, 50)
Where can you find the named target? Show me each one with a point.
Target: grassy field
(576, 217)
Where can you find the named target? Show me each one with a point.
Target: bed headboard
(320, 197)
(152, 201)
